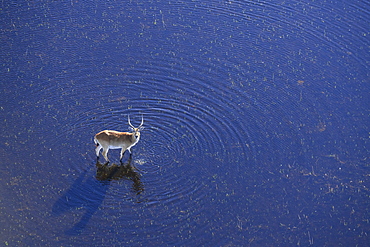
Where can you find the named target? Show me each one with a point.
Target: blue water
(256, 120)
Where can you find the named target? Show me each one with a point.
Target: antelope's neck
(136, 139)
(134, 143)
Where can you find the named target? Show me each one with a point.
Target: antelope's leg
(97, 150)
(129, 150)
(105, 153)
(122, 152)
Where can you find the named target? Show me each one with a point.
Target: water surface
(255, 115)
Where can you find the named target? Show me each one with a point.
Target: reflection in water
(88, 192)
(107, 172)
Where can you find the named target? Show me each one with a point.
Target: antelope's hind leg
(105, 154)
(97, 150)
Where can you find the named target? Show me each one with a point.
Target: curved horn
(142, 121)
(130, 122)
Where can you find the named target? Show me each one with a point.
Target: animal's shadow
(88, 192)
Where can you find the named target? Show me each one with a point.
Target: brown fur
(111, 139)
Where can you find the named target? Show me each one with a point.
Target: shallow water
(255, 115)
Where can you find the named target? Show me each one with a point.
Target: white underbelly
(114, 147)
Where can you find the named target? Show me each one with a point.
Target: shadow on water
(88, 192)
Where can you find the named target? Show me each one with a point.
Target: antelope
(111, 139)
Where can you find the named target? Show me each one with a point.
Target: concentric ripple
(236, 97)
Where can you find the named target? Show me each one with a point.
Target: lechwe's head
(137, 130)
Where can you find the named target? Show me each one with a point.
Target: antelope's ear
(141, 128)
(131, 129)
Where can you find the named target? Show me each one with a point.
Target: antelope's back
(114, 138)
